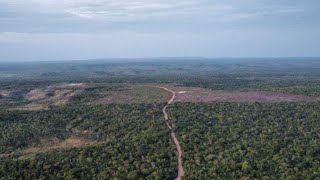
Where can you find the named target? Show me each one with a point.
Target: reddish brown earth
(173, 134)
(189, 94)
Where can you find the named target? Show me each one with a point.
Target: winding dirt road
(173, 134)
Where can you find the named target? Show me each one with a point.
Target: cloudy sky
(86, 29)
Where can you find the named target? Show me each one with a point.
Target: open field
(136, 94)
(189, 94)
(61, 95)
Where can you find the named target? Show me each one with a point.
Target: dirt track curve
(173, 134)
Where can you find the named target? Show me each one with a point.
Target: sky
(91, 29)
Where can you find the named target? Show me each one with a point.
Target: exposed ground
(4, 93)
(41, 98)
(62, 94)
(173, 134)
(190, 94)
(36, 94)
(61, 97)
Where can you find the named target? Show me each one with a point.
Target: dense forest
(131, 142)
(103, 120)
(255, 141)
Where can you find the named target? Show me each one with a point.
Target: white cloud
(120, 10)
(128, 10)
(152, 11)
(59, 29)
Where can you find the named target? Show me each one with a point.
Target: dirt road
(173, 134)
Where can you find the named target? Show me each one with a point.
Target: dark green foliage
(258, 141)
(19, 129)
(132, 143)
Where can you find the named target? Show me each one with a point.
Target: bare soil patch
(61, 97)
(189, 94)
(40, 99)
(73, 85)
(36, 94)
(4, 93)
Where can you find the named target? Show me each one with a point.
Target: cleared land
(135, 94)
(189, 94)
(73, 93)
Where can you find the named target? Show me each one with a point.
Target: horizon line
(150, 59)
